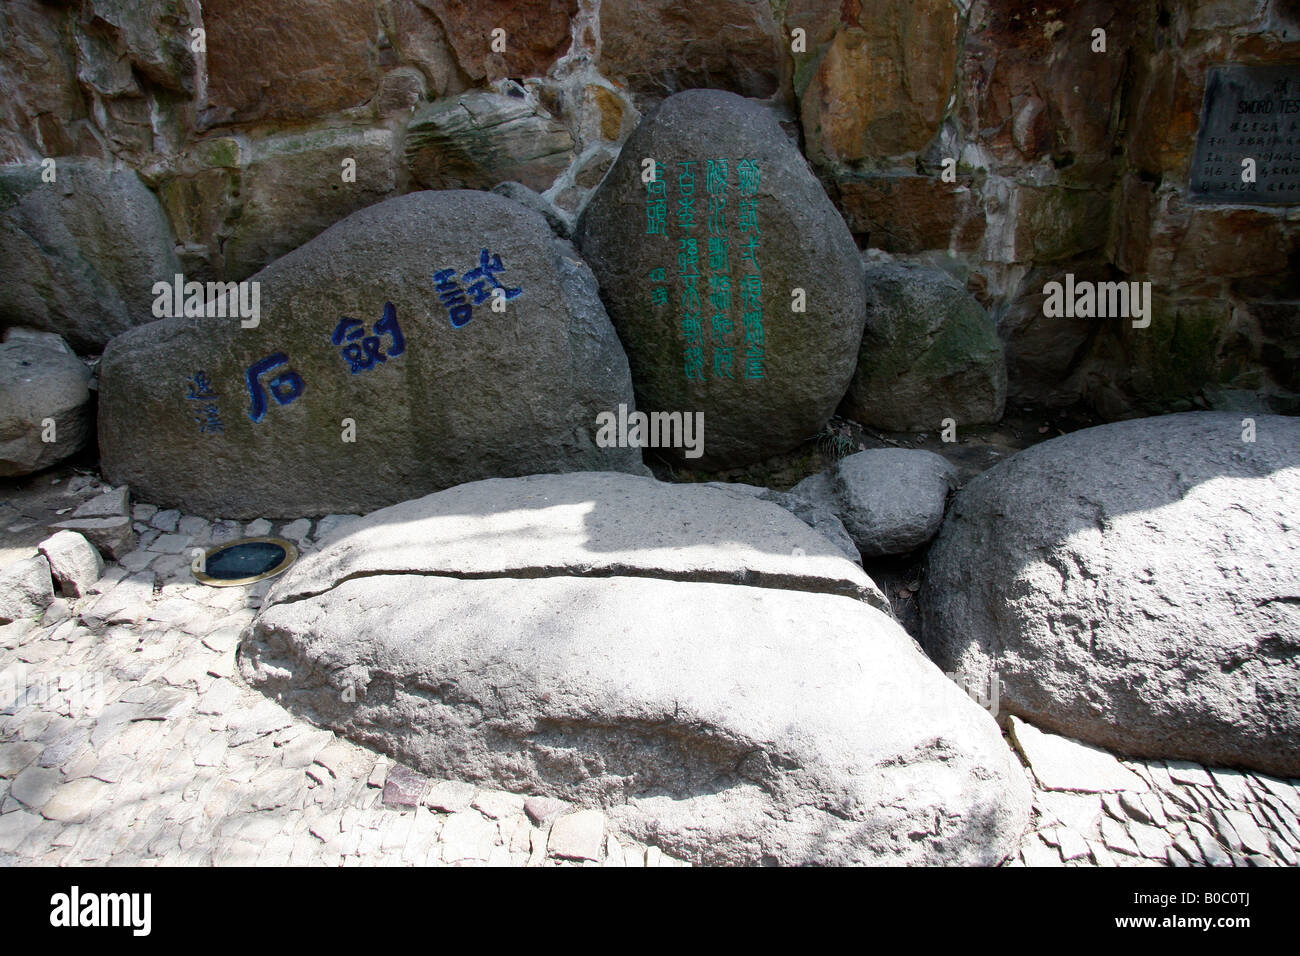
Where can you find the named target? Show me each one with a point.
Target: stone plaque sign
(1250, 113)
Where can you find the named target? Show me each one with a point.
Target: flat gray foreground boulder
(699, 270)
(588, 524)
(1135, 586)
(729, 724)
(425, 341)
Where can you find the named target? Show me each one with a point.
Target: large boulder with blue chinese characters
(1136, 586)
(428, 340)
(732, 280)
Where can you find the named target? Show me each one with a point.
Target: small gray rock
(74, 563)
(110, 504)
(113, 537)
(892, 499)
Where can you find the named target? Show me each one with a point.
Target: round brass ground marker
(245, 561)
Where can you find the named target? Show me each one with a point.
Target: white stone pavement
(128, 738)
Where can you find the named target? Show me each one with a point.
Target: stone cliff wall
(244, 118)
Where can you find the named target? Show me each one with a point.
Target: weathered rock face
(537, 33)
(480, 139)
(877, 75)
(665, 46)
(292, 188)
(378, 367)
(298, 59)
(37, 72)
(762, 720)
(81, 253)
(699, 271)
(1133, 585)
(44, 406)
(930, 352)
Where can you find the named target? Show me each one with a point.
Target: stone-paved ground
(127, 737)
(131, 740)
(1178, 814)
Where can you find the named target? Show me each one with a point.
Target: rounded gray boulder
(930, 352)
(891, 500)
(1135, 586)
(44, 405)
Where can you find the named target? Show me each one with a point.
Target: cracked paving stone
(1116, 837)
(1072, 846)
(1251, 838)
(1211, 851)
(223, 639)
(577, 836)
(1152, 842)
(1184, 771)
(75, 802)
(1187, 846)
(1133, 807)
(170, 544)
(1226, 831)
(1288, 793)
(15, 755)
(166, 704)
(165, 520)
(218, 699)
(35, 785)
(303, 750)
(15, 828)
(1233, 783)
(450, 796)
(111, 769)
(1060, 763)
(467, 835)
(265, 718)
(403, 786)
(541, 809)
(1282, 851)
(212, 753)
(498, 804)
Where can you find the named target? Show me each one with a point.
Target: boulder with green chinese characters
(425, 341)
(733, 283)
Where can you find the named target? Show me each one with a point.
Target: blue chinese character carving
(484, 275)
(453, 297)
(482, 282)
(363, 351)
(285, 387)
